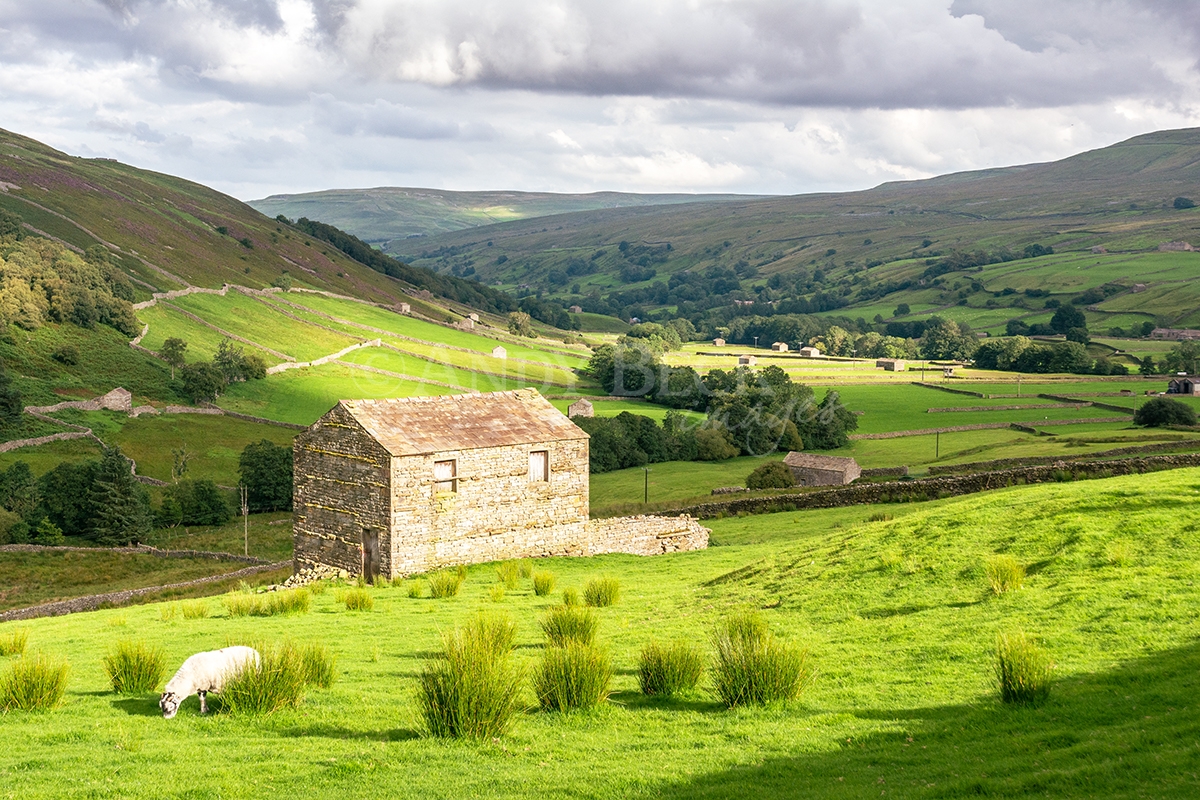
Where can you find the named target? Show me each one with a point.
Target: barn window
(445, 476)
(539, 465)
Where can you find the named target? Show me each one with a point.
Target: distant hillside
(382, 215)
(869, 251)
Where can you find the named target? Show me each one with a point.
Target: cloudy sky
(766, 96)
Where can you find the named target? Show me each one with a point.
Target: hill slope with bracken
(165, 232)
(1120, 198)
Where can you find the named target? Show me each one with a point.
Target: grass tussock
(1004, 574)
(509, 574)
(1023, 669)
(34, 683)
(575, 676)
(565, 624)
(12, 643)
(194, 609)
(167, 612)
(667, 670)
(278, 681)
(444, 584)
(526, 568)
(289, 601)
(570, 596)
(358, 600)
(473, 690)
(415, 591)
(602, 592)
(752, 667)
(134, 667)
(496, 593)
(1119, 553)
(543, 582)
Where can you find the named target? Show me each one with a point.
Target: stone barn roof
(812, 461)
(410, 426)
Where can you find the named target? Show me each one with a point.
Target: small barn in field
(401, 486)
(718, 342)
(780, 347)
(747, 361)
(1182, 386)
(810, 469)
(576, 309)
(810, 352)
(581, 408)
(499, 352)
(891, 364)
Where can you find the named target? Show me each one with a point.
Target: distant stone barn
(402, 486)
(810, 469)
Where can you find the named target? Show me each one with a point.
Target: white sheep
(203, 673)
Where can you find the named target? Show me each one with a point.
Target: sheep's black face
(169, 704)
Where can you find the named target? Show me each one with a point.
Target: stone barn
(747, 361)
(499, 352)
(718, 342)
(891, 364)
(814, 470)
(1182, 386)
(780, 347)
(810, 352)
(402, 486)
(581, 408)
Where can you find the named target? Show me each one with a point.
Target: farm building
(780, 347)
(814, 470)
(467, 324)
(402, 486)
(718, 342)
(810, 352)
(747, 361)
(473, 317)
(581, 408)
(892, 364)
(1182, 385)
(404, 308)
(576, 309)
(1174, 333)
(499, 352)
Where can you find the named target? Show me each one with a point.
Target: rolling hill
(388, 215)
(866, 244)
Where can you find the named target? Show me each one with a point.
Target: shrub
(574, 676)
(752, 668)
(570, 624)
(135, 667)
(543, 583)
(509, 573)
(668, 670)
(570, 596)
(68, 354)
(13, 643)
(316, 666)
(444, 584)
(1023, 669)
(772, 475)
(276, 682)
(34, 683)
(472, 691)
(1004, 573)
(195, 609)
(358, 600)
(1161, 411)
(601, 592)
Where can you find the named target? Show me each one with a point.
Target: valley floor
(896, 613)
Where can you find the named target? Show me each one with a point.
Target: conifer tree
(122, 508)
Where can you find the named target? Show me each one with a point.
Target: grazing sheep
(204, 673)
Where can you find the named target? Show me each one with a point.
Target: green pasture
(611, 408)
(269, 537)
(599, 323)
(896, 614)
(202, 341)
(390, 360)
(256, 321)
(428, 331)
(303, 395)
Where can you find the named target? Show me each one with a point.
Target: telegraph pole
(245, 519)
(646, 487)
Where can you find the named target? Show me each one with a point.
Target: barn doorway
(370, 555)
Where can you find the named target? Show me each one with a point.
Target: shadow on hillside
(144, 706)
(1130, 731)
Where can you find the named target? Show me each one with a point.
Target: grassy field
(896, 614)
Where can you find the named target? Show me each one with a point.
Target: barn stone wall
(496, 510)
(342, 478)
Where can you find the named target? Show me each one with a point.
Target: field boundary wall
(938, 487)
(95, 601)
